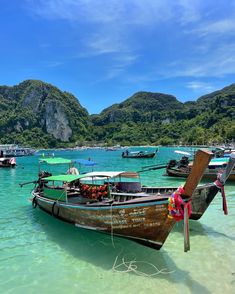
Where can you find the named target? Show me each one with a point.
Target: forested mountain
(141, 107)
(154, 118)
(38, 114)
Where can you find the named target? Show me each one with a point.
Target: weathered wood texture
(200, 164)
(146, 223)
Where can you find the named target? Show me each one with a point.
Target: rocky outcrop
(35, 105)
(56, 121)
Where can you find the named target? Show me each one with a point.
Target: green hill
(38, 114)
(155, 118)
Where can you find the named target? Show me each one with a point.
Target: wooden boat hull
(146, 217)
(213, 176)
(7, 163)
(201, 198)
(145, 221)
(150, 155)
(183, 173)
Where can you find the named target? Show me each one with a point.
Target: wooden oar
(200, 163)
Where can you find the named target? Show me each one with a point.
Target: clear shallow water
(40, 254)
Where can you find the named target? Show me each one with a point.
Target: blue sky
(104, 51)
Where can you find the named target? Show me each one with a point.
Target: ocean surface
(41, 254)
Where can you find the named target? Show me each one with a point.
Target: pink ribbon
(221, 187)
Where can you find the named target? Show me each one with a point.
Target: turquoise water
(40, 254)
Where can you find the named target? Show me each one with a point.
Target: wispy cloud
(219, 62)
(224, 27)
(121, 63)
(103, 11)
(104, 43)
(53, 64)
(119, 17)
(113, 30)
(188, 11)
(198, 86)
(113, 22)
(131, 12)
(118, 67)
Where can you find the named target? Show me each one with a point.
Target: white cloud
(54, 64)
(198, 86)
(189, 12)
(119, 67)
(113, 29)
(103, 11)
(215, 28)
(121, 62)
(218, 61)
(136, 12)
(105, 42)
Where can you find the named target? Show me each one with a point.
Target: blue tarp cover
(85, 162)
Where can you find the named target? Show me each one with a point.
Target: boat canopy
(65, 178)
(91, 176)
(3, 158)
(84, 162)
(219, 162)
(141, 152)
(113, 174)
(55, 160)
(220, 159)
(183, 152)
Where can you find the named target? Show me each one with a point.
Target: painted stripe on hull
(107, 207)
(90, 228)
(136, 239)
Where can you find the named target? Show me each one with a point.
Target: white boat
(13, 150)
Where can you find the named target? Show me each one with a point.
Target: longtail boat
(139, 154)
(182, 168)
(145, 219)
(7, 162)
(125, 186)
(205, 193)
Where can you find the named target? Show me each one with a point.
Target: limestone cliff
(56, 121)
(35, 104)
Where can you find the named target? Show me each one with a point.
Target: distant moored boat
(13, 150)
(139, 154)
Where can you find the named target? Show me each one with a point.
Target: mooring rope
(111, 211)
(132, 266)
